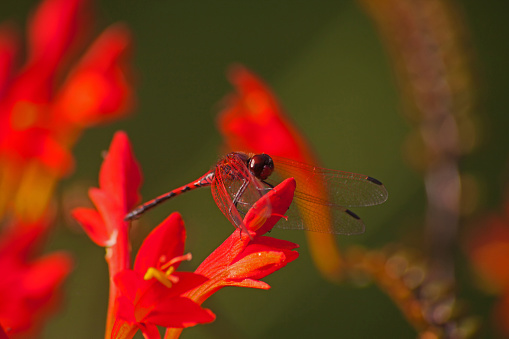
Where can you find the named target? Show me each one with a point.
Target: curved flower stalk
(41, 118)
(402, 274)
(252, 120)
(153, 293)
(427, 43)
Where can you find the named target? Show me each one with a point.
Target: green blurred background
(326, 64)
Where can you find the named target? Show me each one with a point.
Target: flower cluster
(44, 107)
(30, 284)
(153, 293)
(41, 118)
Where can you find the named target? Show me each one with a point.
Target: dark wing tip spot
(375, 181)
(352, 214)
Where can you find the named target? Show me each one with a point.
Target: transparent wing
(235, 189)
(310, 216)
(342, 189)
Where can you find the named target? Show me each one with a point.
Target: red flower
(119, 181)
(39, 120)
(29, 285)
(151, 292)
(242, 260)
(253, 121)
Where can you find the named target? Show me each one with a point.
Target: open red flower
(151, 292)
(243, 260)
(30, 283)
(240, 261)
(41, 119)
(253, 121)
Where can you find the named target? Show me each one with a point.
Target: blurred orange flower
(42, 117)
(488, 249)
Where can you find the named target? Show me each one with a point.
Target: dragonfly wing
(224, 202)
(235, 189)
(338, 188)
(310, 216)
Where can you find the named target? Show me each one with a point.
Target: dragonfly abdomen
(205, 180)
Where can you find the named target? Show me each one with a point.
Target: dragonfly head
(261, 165)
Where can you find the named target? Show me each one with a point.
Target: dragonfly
(321, 200)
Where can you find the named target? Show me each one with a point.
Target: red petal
(52, 29)
(256, 265)
(249, 283)
(97, 90)
(30, 288)
(126, 309)
(262, 257)
(22, 239)
(274, 243)
(120, 173)
(179, 312)
(54, 156)
(165, 242)
(129, 282)
(253, 121)
(93, 225)
(109, 208)
(218, 261)
(186, 281)
(151, 302)
(48, 272)
(150, 331)
(279, 200)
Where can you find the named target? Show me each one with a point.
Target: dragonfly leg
(238, 195)
(268, 184)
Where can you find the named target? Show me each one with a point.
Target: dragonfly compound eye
(261, 165)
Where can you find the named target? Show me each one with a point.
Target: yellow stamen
(166, 277)
(159, 276)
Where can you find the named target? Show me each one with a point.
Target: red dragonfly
(239, 179)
